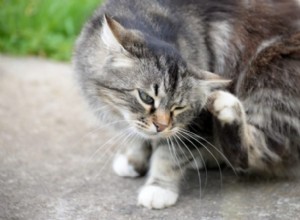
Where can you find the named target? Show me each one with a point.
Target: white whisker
(199, 175)
(171, 148)
(226, 159)
(110, 141)
(201, 157)
(121, 146)
(220, 171)
(98, 129)
(178, 145)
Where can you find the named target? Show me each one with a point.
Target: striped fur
(147, 66)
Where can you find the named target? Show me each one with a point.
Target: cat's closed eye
(146, 98)
(179, 108)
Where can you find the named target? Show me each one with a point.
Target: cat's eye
(178, 108)
(146, 98)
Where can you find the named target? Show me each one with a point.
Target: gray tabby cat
(146, 68)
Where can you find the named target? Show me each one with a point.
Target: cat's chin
(149, 135)
(153, 135)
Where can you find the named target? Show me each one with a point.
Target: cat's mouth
(155, 135)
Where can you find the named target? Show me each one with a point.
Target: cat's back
(254, 19)
(206, 9)
(212, 34)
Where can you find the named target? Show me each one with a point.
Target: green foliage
(45, 28)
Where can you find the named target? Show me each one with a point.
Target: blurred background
(55, 158)
(44, 28)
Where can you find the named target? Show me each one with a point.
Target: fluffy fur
(146, 67)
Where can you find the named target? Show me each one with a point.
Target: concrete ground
(50, 167)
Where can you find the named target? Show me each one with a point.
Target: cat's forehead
(164, 93)
(164, 71)
(159, 83)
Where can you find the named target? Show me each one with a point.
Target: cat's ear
(208, 79)
(116, 37)
(111, 34)
(118, 40)
(213, 81)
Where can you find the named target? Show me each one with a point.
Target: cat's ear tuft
(112, 33)
(208, 79)
(214, 81)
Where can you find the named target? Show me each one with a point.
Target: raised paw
(123, 168)
(156, 197)
(225, 107)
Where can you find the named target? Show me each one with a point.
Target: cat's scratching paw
(123, 168)
(155, 197)
(225, 106)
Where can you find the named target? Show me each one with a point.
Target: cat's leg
(260, 131)
(230, 127)
(166, 170)
(133, 161)
(246, 146)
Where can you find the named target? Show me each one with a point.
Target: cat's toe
(123, 168)
(225, 106)
(155, 197)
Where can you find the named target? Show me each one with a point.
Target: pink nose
(160, 127)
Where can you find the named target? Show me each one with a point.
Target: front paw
(123, 168)
(156, 197)
(225, 107)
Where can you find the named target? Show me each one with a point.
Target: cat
(198, 83)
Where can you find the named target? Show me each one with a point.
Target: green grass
(46, 28)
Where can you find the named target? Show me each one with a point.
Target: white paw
(227, 107)
(122, 167)
(155, 197)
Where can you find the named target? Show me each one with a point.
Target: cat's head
(148, 83)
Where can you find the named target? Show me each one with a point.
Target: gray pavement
(50, 167)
